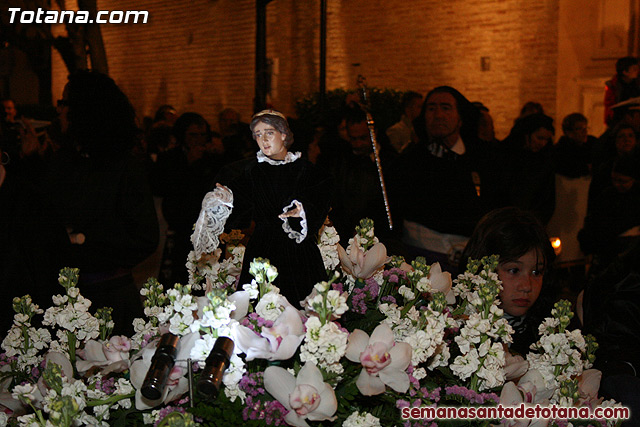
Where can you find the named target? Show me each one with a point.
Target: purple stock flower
(166, 411)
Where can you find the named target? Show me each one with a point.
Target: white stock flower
(150, 418)
(492, 373)
(466, 365)
(327, 244)
(101, 412)
(441, 357)
(232, 378)
(391, 311)
(424, 342)
(575, 337)
(419, 373)
(271, 305)
(181, 324)
(324, 345)
(473, 330)
(25, 392)
(28, 421)
(406, 293)
(337, 302)
(124, 386)
(252, 288)
(361, 419)
(321, 287)
(202, 348)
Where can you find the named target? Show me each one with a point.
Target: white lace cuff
(216, 208)
(291, 233)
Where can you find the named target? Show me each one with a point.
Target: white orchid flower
(512, 396)
(40, 389)
(112, 356)
(361, 264)
(515, 366)
(279, 342)
(537, 386)
(589, 384)
(307, 397)
(441, 282)
(241, 300)
(177, 384)
(6, 398)
(384, 361)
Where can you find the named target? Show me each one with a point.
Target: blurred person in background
(100, 193)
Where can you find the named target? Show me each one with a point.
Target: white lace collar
(288, 158)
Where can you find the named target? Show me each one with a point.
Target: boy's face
(631, 72)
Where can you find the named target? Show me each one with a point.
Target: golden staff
(364, 102)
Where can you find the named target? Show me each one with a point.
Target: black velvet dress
(261, 192)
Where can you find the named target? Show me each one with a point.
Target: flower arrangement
(380, 336)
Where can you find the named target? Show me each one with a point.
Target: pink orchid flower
(536, 386)
(361, 264)
(441, 282)
(112, 356)
(515, 366)
(384, 361)
(307, 396)
(279, 342)
(589, 384)
(513, 396)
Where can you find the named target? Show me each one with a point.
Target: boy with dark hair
(401, 134)
(622, 86)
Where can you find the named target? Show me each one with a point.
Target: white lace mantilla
(291, 233)
(216, 208)
(289, 158)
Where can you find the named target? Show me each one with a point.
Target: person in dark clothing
(182, 176)
(33, 242)
(101, 194)
(625, 113)
(435, 186)
(358, 193)
(622, 86)
(287, 197)
(525, 269)
(612, 315)
(528, 177)
(572, 153)
(612, 223)
(236, 135)
(626, 142)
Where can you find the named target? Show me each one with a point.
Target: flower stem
(110, 400)
(72, 352)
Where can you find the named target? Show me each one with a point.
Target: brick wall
(199, 54)
(422, 44)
